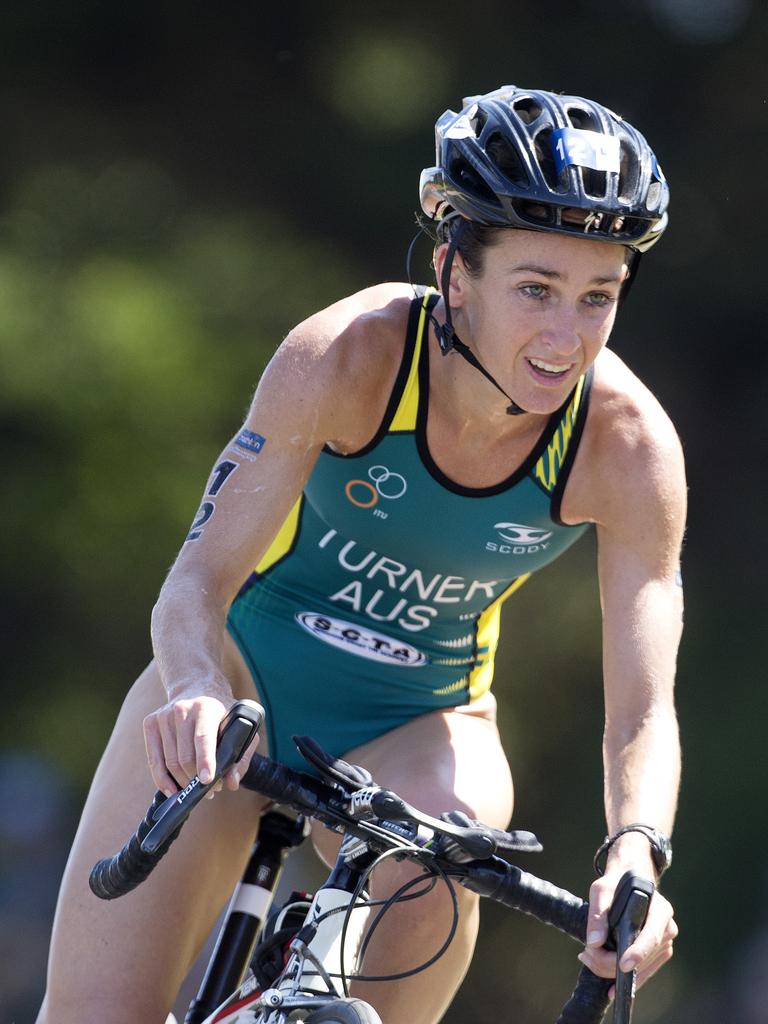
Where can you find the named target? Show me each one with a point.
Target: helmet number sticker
(581, 148)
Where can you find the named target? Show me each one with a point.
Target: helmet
(531, 159)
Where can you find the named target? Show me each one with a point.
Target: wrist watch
(661, 847)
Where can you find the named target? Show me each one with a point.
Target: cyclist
(380, 502)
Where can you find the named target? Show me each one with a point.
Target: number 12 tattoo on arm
(220, 475)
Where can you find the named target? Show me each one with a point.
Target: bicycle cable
(434, 869)
(401, 895)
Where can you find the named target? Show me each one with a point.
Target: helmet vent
(545, 158)
(506, 159)
(628, 173)
(478, 121)
(582, 119)
(631, 227)
(594, 182)
(534, 213)
(466, 177)
(527, 109)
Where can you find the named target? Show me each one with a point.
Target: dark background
(179, 185)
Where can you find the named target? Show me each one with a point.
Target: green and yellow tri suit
(379, 598)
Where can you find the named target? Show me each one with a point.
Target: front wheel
(345, 1011)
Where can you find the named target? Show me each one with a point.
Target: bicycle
(296, 963)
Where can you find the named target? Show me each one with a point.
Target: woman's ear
(458, 278)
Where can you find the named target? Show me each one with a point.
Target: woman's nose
(562, 339)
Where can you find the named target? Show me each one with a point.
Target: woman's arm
(322, 385)
(252, 488)
(640, 488)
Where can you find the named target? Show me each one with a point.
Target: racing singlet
(379, 598)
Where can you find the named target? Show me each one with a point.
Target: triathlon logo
(386, 484)
(356, 640)
(519, 539)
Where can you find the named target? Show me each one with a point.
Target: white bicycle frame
(311, 978)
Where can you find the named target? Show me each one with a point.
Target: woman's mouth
(549, 373)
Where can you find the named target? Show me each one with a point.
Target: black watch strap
(661, 847)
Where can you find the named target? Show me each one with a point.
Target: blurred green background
(183, 183)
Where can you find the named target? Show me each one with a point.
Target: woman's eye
(535, 291)
(599, 299)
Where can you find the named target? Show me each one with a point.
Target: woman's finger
(170, 748)
(153, 742)
(208, 716)
(600, 961)
(663, 955)
(184, 724)
(659, 929)
(648, 970)
(238, 770)
(601, 894)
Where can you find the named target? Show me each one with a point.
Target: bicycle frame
(311, 977)
(375, 823)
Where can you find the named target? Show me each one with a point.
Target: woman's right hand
(181, 741)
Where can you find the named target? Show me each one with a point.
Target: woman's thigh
(441, 761)
(123, 960)
(454, 756)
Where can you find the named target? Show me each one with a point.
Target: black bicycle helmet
(531, 159)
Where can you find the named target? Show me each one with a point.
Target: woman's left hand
(653, 946)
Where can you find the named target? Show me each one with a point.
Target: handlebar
(118, 875)
(236, 731)
(364, 811)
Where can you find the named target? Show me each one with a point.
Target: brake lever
(476, 842)
(626, 918)
(236, 732)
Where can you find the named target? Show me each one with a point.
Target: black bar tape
(286, 786)
(118, 875)
(522, 891)
(589, 1001)
(551, 905)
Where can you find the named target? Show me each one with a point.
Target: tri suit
(379, 598)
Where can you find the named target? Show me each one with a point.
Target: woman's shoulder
(630, 454)
(626, 415)
(346, 357)
(344, 332)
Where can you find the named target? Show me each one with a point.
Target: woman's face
(540, 311)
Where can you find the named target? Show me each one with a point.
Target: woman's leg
(122, 961)
(442, 761)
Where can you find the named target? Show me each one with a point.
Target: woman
(381, 502)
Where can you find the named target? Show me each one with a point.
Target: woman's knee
(415, 930)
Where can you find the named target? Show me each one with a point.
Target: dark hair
(475, 239)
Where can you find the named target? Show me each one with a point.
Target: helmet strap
(447, 338)
(634, 266)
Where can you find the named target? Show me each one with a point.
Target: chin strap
(447, 337)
